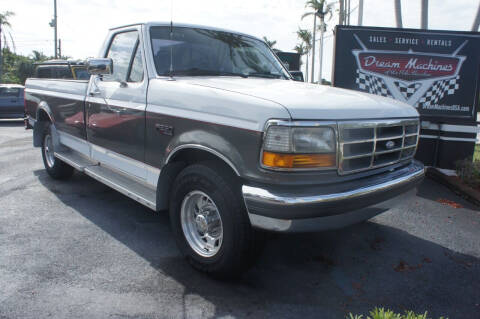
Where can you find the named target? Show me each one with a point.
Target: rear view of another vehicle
(11, 101)
(61, 69)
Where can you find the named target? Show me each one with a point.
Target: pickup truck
(11, 101)
(61, 69)
(208, 124)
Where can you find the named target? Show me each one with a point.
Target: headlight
(287, 147)
(313, 140)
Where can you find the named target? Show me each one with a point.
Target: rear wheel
(54, 167)
(210, 222)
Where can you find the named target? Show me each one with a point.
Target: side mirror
(100, 66)
(297, 76)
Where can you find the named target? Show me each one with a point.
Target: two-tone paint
(139, 129)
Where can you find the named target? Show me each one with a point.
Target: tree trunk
(306, 68)
(313, 48)
(476, 22)
(360, 12)
(322, 25)
(424, 15)
(398, 13)
(1, 55)
(341, 13)
(348, 12)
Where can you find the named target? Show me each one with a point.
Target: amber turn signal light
(277, 160)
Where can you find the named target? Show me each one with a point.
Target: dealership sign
(435, 71)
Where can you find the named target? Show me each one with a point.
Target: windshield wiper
(200, 72)
(265, 75)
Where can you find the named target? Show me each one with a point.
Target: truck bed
(62, 100)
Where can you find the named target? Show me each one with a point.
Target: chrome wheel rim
(201, 223)
(48, 150)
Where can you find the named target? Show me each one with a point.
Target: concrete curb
(455, 184)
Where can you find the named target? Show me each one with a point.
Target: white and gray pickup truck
(209, 125)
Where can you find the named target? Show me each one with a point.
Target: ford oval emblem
(389, 145)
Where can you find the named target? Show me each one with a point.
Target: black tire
(54, 167)
(236, 253)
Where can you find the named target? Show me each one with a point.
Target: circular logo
(390, 144)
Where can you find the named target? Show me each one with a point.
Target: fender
(43, 106)
(214, 144)
(40, 125)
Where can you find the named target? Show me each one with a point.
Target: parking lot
(77, 249)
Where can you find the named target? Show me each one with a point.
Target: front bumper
(316, 208)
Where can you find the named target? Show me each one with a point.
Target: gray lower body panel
(314, 208)
(328, 222)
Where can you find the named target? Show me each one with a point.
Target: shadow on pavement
(322, 275)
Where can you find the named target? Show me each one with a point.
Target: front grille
(370, 144)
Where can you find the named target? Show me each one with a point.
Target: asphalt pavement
(77, 249)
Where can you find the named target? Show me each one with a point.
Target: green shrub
(381, 313)
(469, 172)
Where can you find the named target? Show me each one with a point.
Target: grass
(476, 153)
(381, 313)
(469, 171)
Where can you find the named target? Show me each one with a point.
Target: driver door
(116, 103)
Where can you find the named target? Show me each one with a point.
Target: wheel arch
(180, 151)
(181, 157)
(43, 118)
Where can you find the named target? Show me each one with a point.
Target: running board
(119, 182)
(74, 159)
(124, 185)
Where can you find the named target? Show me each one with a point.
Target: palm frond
(5, 28)
(307, 14)
(13, 42)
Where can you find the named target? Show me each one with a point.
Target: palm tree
(320, 9)
(5, 29)
(306, 37)
(271, 43)
(38, 56)
(300, 49)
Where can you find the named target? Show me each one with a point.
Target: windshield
(194, 52)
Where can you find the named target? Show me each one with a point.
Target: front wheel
(54, 167)
(210, 222)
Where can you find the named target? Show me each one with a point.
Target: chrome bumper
(287, 212)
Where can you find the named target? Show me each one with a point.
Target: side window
(63, 72)
(81, 73)
(44, 72)
(9, 92)
(120, 51)
(136, 73)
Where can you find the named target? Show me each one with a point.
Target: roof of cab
(184, 25)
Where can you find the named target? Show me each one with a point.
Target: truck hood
(305, 101)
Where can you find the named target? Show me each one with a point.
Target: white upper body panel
(250, 102)
(183, 98)
(305, 101)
